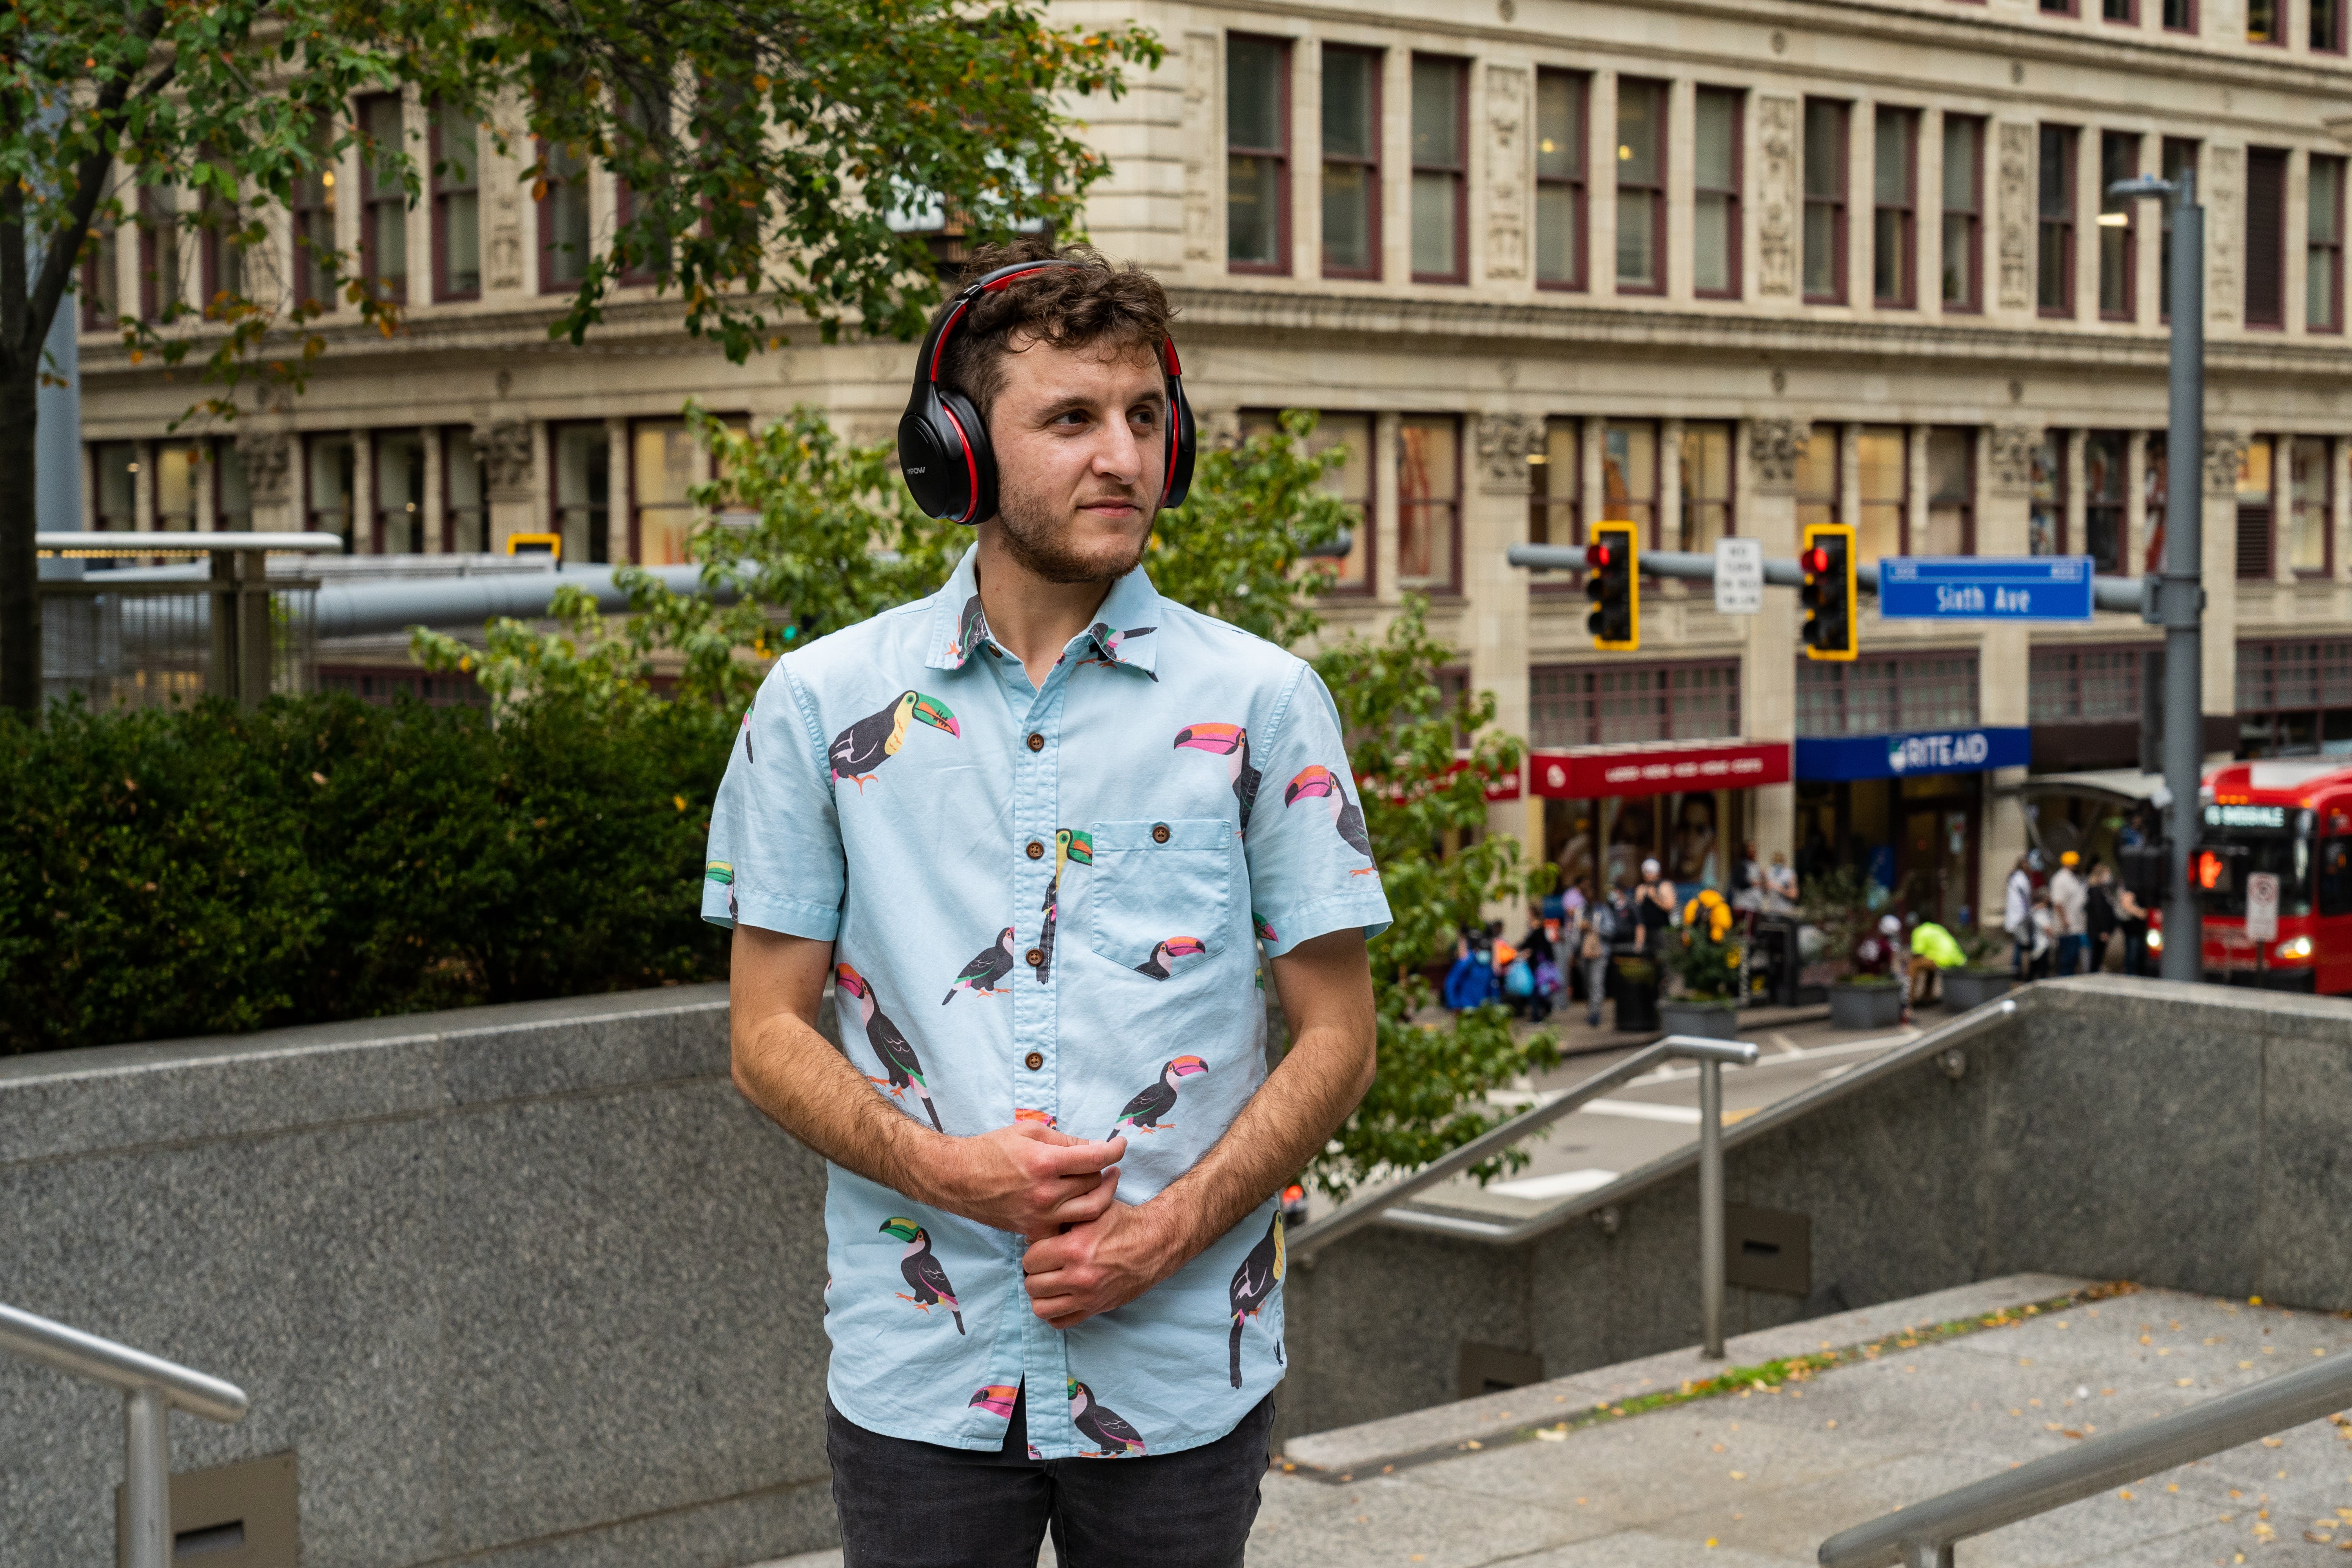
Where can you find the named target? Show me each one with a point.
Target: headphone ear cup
(977, 459)
(931, 459)
(1182, 445)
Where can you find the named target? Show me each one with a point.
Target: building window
(101, 285)
(1715, 176)
(1963, 213)
(2308, 483)
(456, 205)
(1825, 175)
(2265, 237)
(1706, 467)
(1554, 514)
(1882, 469)
(2045, 515)
(2179, 160)
(1629, 477)
(1819, 476)
(161, 281)
(646, 122)
(116, 496)
(1641, 186)
(1951, 493)
(1429, 499)
(384, 201)
(563, 218)
(465, 494)
(1351, 482)
(1884, 695)
(1560, 137)
(2085, 685)
(177, 464)
(400, 492)
(1617, 705)
(2124, 11)
(1893, 246)
(2118, 227)
(2058, 8)
(2265, 22)
(2294, 698)
(1352, 163)
(1257, 155)
(1439, 103)
(2327, 27)
(2323, 273)
(2254, 510)
(2153, 487)
(314, 222)
(332, 462)
(2054, 258)
(2179, 15)
(232, 495)
(2105, 460)
(584, 491)
(220, 259)
(661, 468)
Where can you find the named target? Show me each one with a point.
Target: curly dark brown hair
(1093, 303)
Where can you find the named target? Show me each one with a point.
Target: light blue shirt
(1046, 903)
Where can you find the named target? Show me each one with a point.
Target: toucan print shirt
(1045, 903)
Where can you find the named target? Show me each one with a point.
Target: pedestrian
(1537, 952)
(2043, 926)
(2132, 920)
(1747, 879)
(2067, 891)
(1470, 982)
(2098, 917)
(2017, 913)
(1933, 951)
(1780, 884)
(1596, 934)
(1654, 905)
(1045, 735)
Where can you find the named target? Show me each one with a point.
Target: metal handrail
(1921, 1535)
(1710, 1055)
(151, 1387)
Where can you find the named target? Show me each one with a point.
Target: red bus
(2291, 817)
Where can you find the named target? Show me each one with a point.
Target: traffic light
(1612, 578)
(1827, 560)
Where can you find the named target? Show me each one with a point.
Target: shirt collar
(1125, 634)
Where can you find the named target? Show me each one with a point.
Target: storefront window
(333, 461)
(583, 492)
(1882, 696)
(661, 466)
(177, 467)
(2294, 698)
(1588, 705)
(1707, 487)
(2085, 685)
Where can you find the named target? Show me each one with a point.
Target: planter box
(1708, 1020)
(1634, 986)
(1967, 988)
(1865, 1006)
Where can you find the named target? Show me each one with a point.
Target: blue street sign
(1984, 588)
(1913, 753)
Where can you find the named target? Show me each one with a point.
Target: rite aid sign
(1916, 752)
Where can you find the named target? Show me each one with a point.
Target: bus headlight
(2294, 947)
(2155, 939)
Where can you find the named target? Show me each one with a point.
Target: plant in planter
(1701, 955)
(1838, 903)
(1984, 977)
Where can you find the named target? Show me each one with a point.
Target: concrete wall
(521, 1285)
(2182, 1136)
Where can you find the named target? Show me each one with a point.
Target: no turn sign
(2261, 905)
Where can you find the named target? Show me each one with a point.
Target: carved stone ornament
(1506, 171)
(2225, 459)
(2224, 231)
(504, 256)
(1200, 101)
(2016, 209)
(2009, 457)
(268, 458)
(1776, 195)
(1774, 448)
(504, 447)
(1506, 441)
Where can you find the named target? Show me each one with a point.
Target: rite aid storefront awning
(1599, 772)
(1914, 754)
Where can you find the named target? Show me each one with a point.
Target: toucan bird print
(1156, 965)
(1232, 742)
(1069, 845)
(921, 1270)
(986, 974)
(1111, 642)
(1253, 1287)
(866, 745)
(1320, 782)
(1113, 1437)
(896, 1051)
(996, 1398)
(1143, 1113)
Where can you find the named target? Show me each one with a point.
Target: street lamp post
(2176, 598)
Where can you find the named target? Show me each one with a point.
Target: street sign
(1984, 588)
(2261, 905)
(1738, 576)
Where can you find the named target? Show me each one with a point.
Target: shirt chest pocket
(1161, 893)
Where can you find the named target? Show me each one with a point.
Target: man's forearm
(797, 1078)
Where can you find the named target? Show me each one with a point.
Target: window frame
(2279, 25)
(1864, 501)
(2061, 495)
(1734, 215)
(2069, 9)
(1579, 185)
(2333, 247)
(2192, 22)
(2129, 311)
(1892, 676)
(2130, 18)
(1451, 587)
(1543, 503)
(1279, 156)
(1973, 303)
(458, 446)
(313, 195)
(101, 291)
(2056, 678)
(1656, 188)
(2279, 159)
(1655, 497)
(1254, 418)
(2065, 219)
(1685, 502)
(638, 275)
(1586, 697)
(1458, 172)
(2118, 441)
(1967, 433)
(1376, 61)
(381, 446)
(440, 190)
(154, 219)
(371, 199)
(2311, 25)
(1838, 203)
(548, 282)
(2330, 457)
(2243, 511)
(1908, 212)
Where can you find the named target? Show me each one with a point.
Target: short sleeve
(1310, 862)
(774, 860)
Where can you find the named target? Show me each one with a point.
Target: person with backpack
(1606, 923)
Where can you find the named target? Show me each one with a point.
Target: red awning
(1587, 774)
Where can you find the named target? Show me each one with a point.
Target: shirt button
(1160, 833)
(1036, 741)
(1035, 849)
(1033, 1060)
(1036, 956)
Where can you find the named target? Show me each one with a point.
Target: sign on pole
(2261, 905)
(1983, 588)
(1738, 576)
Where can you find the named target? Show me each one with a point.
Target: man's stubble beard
(1042, 549)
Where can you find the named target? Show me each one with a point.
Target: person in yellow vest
(1933, 951)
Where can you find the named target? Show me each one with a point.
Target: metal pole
(2183, 590)
(146, 1478)
(1927, 1555)
(1711, 1205)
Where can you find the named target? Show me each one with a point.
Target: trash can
(1636, 981)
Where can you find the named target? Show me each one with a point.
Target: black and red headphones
(943, 448)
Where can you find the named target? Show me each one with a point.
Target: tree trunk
(20, 601)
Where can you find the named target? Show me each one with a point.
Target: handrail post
(1927, 1555)
(146, 1477)
(1711, 1205)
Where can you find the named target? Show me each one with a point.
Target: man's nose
(1119, 456)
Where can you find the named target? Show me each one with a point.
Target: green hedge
(168, 874)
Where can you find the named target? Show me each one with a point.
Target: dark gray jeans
(905, 1504)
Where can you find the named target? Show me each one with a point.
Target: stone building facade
(1717, 268)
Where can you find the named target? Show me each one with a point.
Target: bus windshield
(2283, 853)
